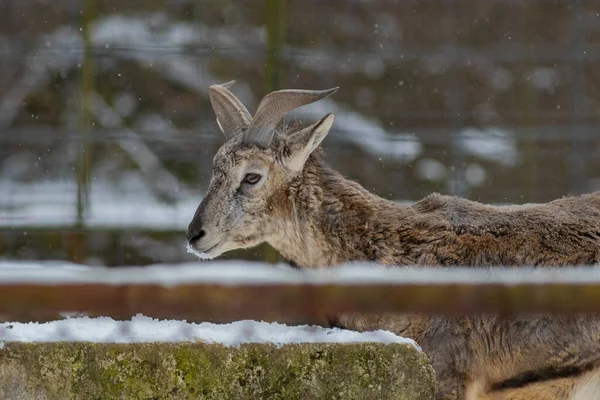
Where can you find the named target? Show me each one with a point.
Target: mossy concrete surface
(94, 371)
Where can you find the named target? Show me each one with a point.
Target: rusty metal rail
(226, 291)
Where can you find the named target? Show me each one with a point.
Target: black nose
(195, 235)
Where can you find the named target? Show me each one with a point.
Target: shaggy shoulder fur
(334, 220)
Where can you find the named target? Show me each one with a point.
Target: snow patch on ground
(144, 329)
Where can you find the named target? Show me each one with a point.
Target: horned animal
(270, 183)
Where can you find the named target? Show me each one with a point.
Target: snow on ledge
(234, 273)
(141, 329)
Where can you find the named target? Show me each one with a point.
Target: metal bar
(505, 53)
(272, 294)
(577, 159)
(272, 302)
(457, 184)
(551, 133)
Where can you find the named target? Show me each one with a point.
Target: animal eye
(252, 178)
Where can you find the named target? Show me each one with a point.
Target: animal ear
(232, 117)
(303, 143)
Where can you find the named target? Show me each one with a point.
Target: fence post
(77, 238)
(579, 135)
(275, 23)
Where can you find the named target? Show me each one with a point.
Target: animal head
(252, 169)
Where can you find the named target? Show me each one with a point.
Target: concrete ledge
(83, 370)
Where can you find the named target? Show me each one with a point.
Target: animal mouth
(202, 254)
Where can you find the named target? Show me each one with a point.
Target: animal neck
(325, 219)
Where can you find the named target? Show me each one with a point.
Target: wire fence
(493, 100)
(108, 135)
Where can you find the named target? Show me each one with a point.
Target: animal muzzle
(195, 231)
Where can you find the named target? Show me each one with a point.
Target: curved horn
(273, 108)
(232, 116)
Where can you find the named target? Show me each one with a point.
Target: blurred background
(107, 134)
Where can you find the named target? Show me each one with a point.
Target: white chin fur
(201, 255)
